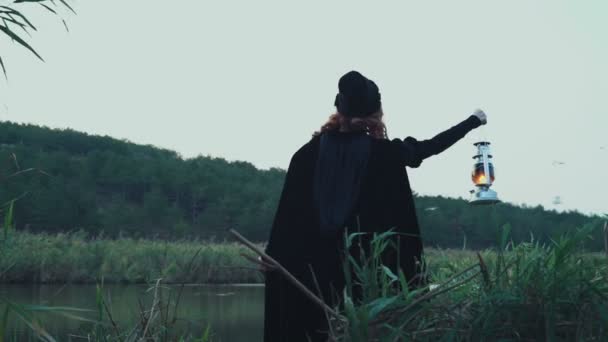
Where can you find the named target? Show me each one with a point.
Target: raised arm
(414, 151)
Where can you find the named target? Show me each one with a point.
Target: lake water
(234, 312)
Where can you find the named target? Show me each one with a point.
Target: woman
(348, 177)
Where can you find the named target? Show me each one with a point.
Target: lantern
(483, 176)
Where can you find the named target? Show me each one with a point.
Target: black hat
(358, 96)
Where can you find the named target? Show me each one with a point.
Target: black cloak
(302, 246)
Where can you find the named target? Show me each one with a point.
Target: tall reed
(528, 291)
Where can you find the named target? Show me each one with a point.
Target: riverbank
(555, 290)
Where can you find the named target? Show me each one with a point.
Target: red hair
(372, 124)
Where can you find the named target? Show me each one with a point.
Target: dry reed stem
(439, 290)
(606, 238)
(152, 309)
(435, 294)
(109, 314)
(314, 278)
(286, 273)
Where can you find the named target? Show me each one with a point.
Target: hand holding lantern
(481, 115)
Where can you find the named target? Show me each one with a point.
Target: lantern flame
(479, 177)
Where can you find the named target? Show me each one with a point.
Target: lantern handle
(482, 133)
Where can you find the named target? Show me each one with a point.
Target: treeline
(100, 184)
(113, 187)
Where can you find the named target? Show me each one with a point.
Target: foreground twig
(152, 316)
(436, 292)
(110, 317)
(181, 288)
(287, 275)
(314, 279)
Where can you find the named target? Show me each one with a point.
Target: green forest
(68, 181)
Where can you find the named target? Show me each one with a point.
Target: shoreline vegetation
(33, 258)
(516, 291)
(72, 258)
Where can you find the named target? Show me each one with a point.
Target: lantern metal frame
(482, 194)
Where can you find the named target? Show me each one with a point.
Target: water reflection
(235, 312)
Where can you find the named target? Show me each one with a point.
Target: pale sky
(251, 80)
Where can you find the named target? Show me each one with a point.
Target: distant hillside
(104, 185)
